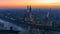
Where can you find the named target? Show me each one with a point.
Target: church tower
(29, 14)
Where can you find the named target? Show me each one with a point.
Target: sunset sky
(34, 3)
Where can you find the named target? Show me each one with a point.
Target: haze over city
(29, 16)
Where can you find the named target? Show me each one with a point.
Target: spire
(29, 8)
(29, 14)
(48, 13)
(50, 9)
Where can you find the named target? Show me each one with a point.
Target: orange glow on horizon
(33, 3)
